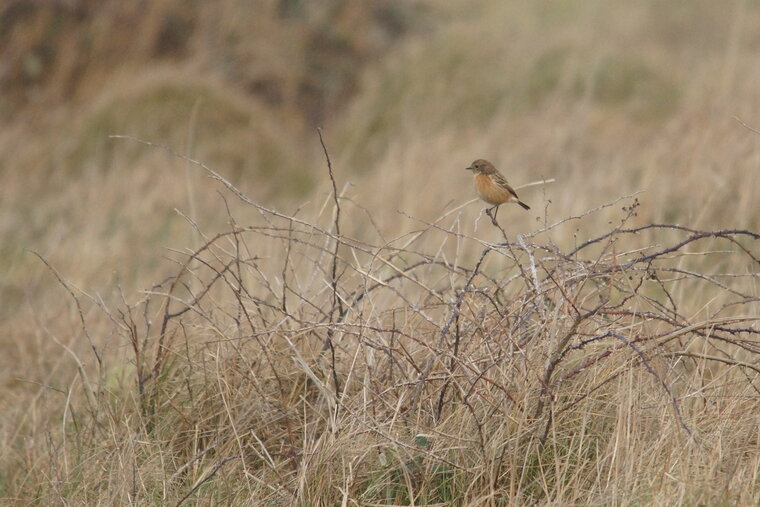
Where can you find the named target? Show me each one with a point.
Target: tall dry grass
(195, 341)
(286, 363)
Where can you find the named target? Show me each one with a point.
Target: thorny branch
(534, 333)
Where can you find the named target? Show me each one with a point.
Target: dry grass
(287, 363)
(288, 334)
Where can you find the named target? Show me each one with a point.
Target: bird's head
(481, 166)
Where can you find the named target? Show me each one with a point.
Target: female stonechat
(492, 186)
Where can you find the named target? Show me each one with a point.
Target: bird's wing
(502, 182)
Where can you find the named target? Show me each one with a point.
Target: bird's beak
(468, 168)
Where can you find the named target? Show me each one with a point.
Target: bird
(492, 186)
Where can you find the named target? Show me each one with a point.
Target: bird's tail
(525, 206)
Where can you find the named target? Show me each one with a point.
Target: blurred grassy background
(608, 98)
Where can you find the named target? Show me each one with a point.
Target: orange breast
(489, 191)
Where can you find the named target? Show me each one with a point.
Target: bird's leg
(495, 210)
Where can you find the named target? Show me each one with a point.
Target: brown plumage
(492, 186)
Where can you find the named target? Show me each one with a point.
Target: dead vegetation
(286, 363)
